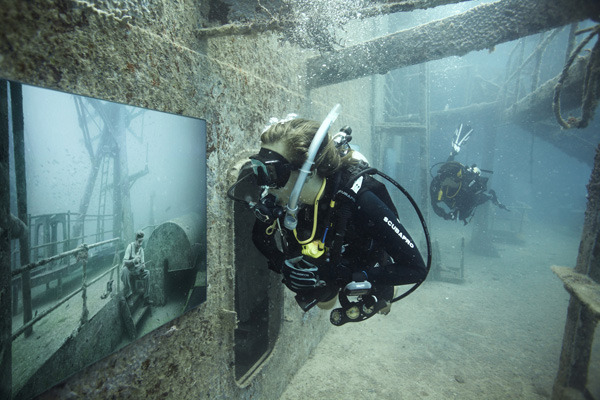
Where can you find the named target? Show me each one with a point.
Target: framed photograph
(108, 228)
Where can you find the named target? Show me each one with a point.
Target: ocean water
(494, 334)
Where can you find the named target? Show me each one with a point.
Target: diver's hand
(299, 274)
(496, 202)
(455, 149)
(461, 135)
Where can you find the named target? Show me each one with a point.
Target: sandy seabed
(497, 335)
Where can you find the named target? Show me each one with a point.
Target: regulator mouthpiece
(291, 220)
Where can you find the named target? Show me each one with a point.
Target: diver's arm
(494, 199)
(460, 138)
(408, 266)
(266, 244)
(434, 189)
(440, 211)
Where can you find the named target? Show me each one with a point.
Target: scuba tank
(366, 304)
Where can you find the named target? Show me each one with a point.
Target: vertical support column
(586, 260)
(121, 193)
(46, 239)
(481, 238)
(376, 115)
(117, 202)
(82, 256)
(151, 219)
(16, 99)
(580, 325)
(68, 243)
(79, 227)
(424, 139)
(5, 275)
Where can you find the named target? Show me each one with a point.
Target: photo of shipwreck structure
(69, 307)
(122, 117)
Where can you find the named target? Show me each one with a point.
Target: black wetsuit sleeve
(266, 244)
(434, 189)
(384, 227)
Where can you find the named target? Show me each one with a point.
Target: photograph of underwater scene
(108, 227)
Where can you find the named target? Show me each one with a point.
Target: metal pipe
(481, 27)
(45, 261)
(65, 241)
(5, 281)
(83, 256)
(18, 130)
(54, 307)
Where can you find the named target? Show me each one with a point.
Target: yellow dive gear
(314, 249)
(310, 247)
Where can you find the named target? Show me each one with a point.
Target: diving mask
(271, 168)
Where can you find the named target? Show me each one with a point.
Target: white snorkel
(291, 220)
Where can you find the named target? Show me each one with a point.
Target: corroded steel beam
(381, 7)
(534, 114)
(479, 28)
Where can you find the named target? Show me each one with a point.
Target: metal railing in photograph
(81, 252)
(46, 236)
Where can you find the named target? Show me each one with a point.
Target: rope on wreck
(591, 84)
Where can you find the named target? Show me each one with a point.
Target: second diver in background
(457, 190)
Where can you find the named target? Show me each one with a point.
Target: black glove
(299, 274)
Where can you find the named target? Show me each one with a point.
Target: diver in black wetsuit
(459, 188)
(348, 238)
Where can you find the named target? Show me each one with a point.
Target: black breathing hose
(372, 171)
(425, 231)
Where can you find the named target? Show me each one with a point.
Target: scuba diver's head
(284, 149)
(272, 170)
(292, 139)
(296, 156)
